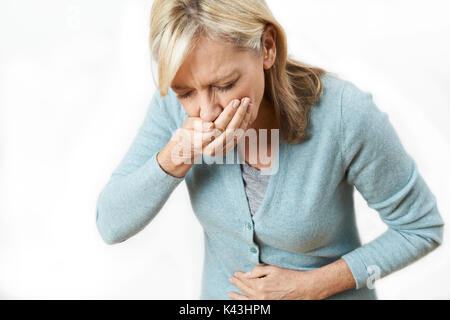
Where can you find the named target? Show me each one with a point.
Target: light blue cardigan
(307, 217)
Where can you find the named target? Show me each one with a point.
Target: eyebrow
(215, 81)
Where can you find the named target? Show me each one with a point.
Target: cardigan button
(253, 250)
(249, 226)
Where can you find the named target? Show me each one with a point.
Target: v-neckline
(238, 183)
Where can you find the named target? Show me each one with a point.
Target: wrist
(164, 159)
(332, 279)
(310, 285)
(323, 288)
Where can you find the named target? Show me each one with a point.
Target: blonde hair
(291, 86)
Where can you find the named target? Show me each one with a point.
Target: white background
(75, 84)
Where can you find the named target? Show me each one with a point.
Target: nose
(209, 110)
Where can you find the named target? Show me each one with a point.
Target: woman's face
(214, 74)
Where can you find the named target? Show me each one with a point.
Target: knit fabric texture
(306, 218)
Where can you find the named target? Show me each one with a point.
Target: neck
(266, 118)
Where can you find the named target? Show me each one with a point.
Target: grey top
(255, 185)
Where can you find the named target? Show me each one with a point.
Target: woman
(290, 234)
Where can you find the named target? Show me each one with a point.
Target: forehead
(209, 60)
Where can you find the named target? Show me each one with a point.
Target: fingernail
(245, 102)
(236, 103)
(207, 125)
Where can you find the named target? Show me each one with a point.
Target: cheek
(190, 108)
(254, 90)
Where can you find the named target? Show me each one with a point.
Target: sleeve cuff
(357, 267)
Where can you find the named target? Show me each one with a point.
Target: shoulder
(341, 91)
(326, 112)
(327, 107)
(354, 106)
(332, 86)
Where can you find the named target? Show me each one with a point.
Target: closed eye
(185, 96)
(223, 89)
(228, 87)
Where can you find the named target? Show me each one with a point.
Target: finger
(227, 114)
(231, 135)
(216, 146)
(196, 133)
(203, 139)
(242, 286)
(206, 137)
(239, 115)
(199, 125)
(241, 276)
(189, 144)
(240, 132)
(209, 141)
(258, 272)
(246, 121)
(226, 142)
(231, 138)
(237, 296)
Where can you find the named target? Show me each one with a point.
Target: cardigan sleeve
(376, 163)
(138, 188)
